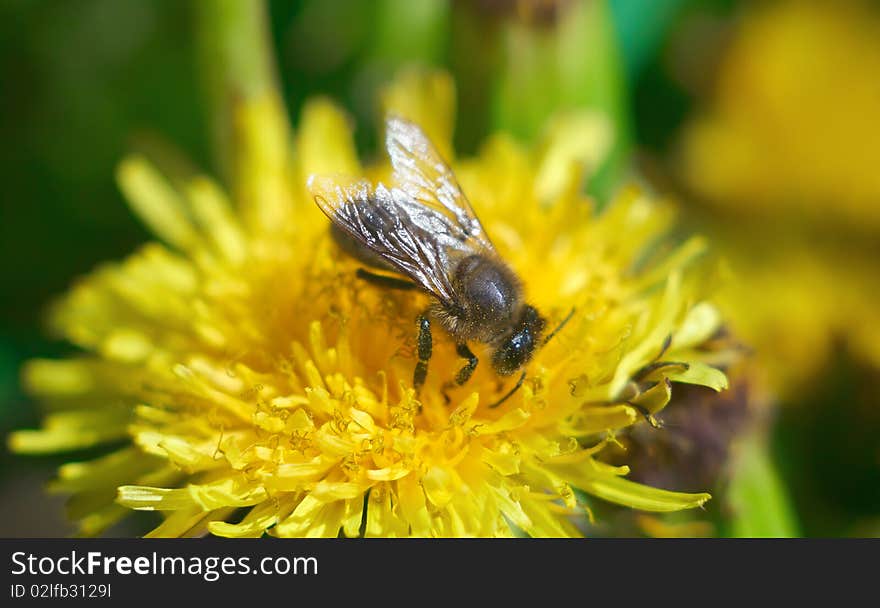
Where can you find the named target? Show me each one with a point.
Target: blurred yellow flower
(797, 300)
(793, 125)
(786, 153)
(261, 388)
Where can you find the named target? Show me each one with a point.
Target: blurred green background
(85, 81)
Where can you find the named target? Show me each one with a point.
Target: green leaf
(757, 495)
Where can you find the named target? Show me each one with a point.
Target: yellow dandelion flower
(798, 298)
(792, 126)
(785, 162)
(259, 387)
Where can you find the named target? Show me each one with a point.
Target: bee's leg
(465, 373)
(424, 347)
(382, 280)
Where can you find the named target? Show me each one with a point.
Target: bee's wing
(422, 243)
(421, 172)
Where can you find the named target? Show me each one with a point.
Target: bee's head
(517, 347)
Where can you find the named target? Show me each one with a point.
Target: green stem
(408, 31)
(236, 64)
(757, 494)
(575, 64)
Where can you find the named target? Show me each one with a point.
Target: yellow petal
(292, 476)
(381, 518)
(155, 499)
(426, 98)
(546, 524)
(299, 521)
(71, 431)
(505, 462)
(655, 398)
(181, 524)
(330, 491)
(701, 374)
(216, 217)
(126, 345)
(352, 517)
(413, 506)
(651, 345)
(440, 486)
(257, 521)
(108, 471)
(156, 202)
(227, 493)
(702, 321)
(597, 419)
(59, 378)
(324, 141)
(509, 421)
(572, 145)
(637, 496)
(263, 189)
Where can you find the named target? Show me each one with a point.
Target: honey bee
(425, 232)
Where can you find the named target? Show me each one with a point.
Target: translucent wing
(417, 241)
(422, 226)
(428, 181)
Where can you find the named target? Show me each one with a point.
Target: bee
(424, 231)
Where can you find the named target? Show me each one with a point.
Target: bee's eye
(516, 350)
